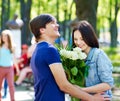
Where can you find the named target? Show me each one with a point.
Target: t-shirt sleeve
(52, 56)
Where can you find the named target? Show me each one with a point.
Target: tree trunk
(87, 10)
(57, 7)
(113, 27)
(113, 32)
(5, 13)
(25, 16)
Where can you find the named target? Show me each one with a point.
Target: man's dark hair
(40, 22)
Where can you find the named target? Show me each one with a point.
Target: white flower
(65, 53)
(62, 52)
(81, 54)
(74, 55)
(77, 49)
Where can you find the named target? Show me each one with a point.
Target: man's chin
(58, 35)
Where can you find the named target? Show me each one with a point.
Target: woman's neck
(87, 50)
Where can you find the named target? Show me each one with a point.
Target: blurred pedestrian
(27, 70)
(6, 62)
(15, 26)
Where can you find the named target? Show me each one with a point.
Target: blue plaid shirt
(100, 69)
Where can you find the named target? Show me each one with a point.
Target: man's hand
(100, 97)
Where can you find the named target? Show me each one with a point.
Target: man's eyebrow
(53, 21)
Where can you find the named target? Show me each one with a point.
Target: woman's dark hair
(40, 22)
(88, 34)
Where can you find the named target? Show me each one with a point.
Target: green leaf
(72, 81)
(74, 71)
(86, 71)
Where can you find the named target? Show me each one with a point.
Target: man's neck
(46, 40)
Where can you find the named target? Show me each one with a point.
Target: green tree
(113, 24)
(5, 13)
(107, 18)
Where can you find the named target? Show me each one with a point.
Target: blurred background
(104, 15)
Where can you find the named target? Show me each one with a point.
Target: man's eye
(52, 22)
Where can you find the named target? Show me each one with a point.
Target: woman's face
(4, 37)
(79, 42)
(0, 39)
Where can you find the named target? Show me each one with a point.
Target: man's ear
(42, 30)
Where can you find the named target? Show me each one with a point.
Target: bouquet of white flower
(74, 65)
(74, 55)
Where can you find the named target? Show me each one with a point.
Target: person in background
(15, 26)
(25, 71)
(5, 89)
(22, 61)
(99, 77)
(48, 72)
(7, 59)
(5, 81)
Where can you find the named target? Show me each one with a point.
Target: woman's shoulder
(98, 51)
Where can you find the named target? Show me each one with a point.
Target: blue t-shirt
(46, 88)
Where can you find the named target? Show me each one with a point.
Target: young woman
(6, 62)
(5, 81)
(99, 77)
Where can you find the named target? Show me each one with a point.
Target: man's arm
(65, 86)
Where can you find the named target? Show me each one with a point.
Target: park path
(22, 93)
(26, 93)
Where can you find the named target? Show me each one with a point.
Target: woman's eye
(75, 39)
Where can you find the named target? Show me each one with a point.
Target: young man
(49, 77)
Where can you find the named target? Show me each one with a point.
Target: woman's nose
(78, 41)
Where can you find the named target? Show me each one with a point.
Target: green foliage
(75, 71)
(50, 6)
(113, 54)
(110, 50)
(117, 81)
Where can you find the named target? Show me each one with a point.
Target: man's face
(51, 30)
